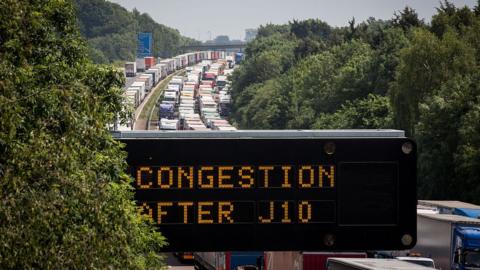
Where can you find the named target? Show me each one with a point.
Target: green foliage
(448, 164)
(313, 36)
(269, 57)
(436, 98)
(66, 200)
(111, 30)
(262, 106)
(407, 19)
(316, 69)
(271, 29)
(370, 31)
(386, 58)
(449, 16)
(323, 82)
(425, 65)
(373, 112)
(399, 73)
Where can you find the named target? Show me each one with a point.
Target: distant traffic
(196, 99)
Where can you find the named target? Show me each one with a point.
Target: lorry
(141, 89)
(168, 124)
(452, 207)
(155, 72)
(166, 110)
(452, 241)
(230, 61)
(372, 264)
(149, 62)
(221, 82)
(296, 260)
(238, 57)
(224, 105)
(130, 69)
(231, 260)
(170, 96)
(209, 76)
(140, 64)
(147, 78)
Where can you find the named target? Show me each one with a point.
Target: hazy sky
(202, 19)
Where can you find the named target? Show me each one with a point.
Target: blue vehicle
(452, 241)
(166, 110)
(239, 58)
(231, 260)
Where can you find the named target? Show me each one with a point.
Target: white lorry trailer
(452, 241)
(372, 264)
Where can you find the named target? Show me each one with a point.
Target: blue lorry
(166, 110)
(239, 58)
(452, 241)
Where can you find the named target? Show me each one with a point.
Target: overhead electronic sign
(284, 190)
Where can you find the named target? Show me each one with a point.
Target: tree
(271, 29)
(448, 155)
(450, 17)
(400, 74)
(386, 58)
(322, 83)
(351, 29)
(266, 57)
(112, 30)
(435, 98)
(371, 32)
(66, 200)
(263, 106)
(372, 112)
(313, 36)
(424, 66)
(407, 19)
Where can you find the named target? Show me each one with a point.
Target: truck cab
(221, 82)
(166, 110)
(466, 247)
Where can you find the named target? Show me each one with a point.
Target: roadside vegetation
(401, 73)
(66, 201)
(111, 32)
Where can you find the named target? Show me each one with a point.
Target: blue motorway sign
(144, 44)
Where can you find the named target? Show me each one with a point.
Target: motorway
(141, 116)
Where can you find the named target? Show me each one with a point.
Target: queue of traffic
(145, 73)
(200, 100)
(448, 237)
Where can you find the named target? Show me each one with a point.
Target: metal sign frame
(368, 204)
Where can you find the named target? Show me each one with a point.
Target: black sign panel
(247, 193)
